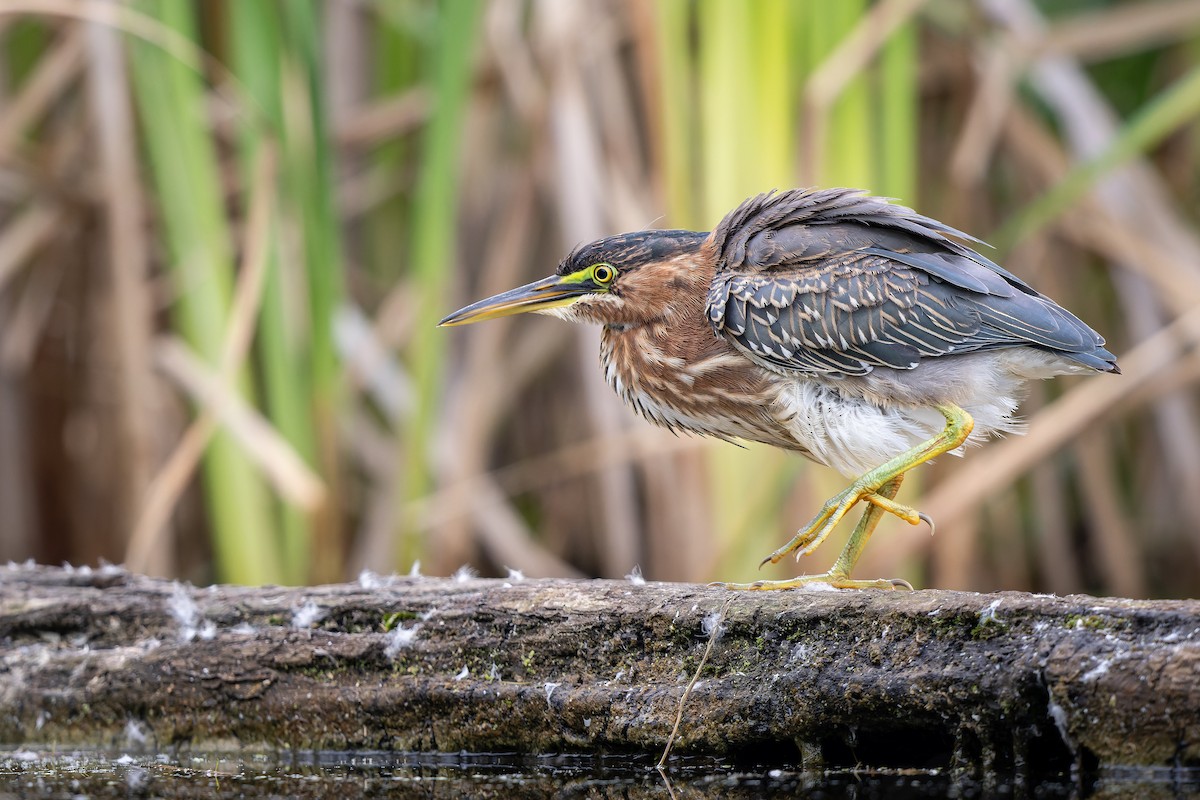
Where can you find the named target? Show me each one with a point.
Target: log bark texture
(903, 679)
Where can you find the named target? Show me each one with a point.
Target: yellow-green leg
(839, 574)
(871, 488)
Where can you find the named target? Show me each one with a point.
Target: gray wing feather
(835, 282)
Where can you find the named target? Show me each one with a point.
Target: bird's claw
(810, 537)
(806, 540)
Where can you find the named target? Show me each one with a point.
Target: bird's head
(625, 279)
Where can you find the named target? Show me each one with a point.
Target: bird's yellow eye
(603, 274)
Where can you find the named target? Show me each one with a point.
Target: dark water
(77, 774)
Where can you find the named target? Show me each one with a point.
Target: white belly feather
(850, 435)
(855, 424)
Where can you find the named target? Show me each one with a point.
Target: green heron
(827, 322)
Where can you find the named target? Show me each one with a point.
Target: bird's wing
(860, 283)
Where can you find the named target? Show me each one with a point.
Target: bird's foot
(809, 538)
(811, 535)
(833, 579)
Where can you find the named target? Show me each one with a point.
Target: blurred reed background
(227, 230)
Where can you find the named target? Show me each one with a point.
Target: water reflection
(30, 774)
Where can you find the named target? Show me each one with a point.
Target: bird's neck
(666, 316)
(674, 295)
(670, 366)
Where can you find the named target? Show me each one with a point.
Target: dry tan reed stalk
(128, 261)
(1122, 29)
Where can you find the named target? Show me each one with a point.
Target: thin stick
(712, 640)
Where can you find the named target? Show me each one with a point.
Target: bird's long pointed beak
(553, 292)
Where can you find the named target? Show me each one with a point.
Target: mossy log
(903, 679)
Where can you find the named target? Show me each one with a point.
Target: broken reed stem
(713, 635)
